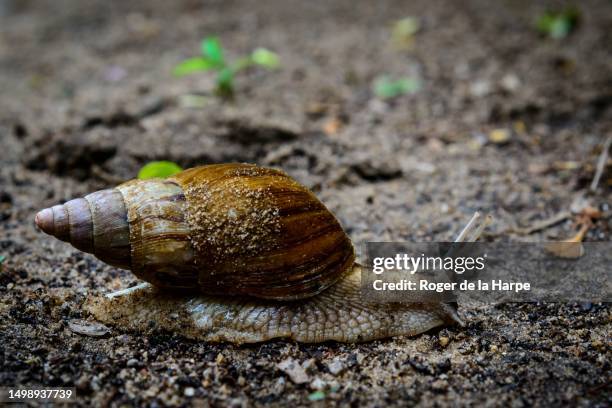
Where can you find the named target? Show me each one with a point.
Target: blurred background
(403, 116)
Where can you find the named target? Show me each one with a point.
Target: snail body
(336, 314)
(249, 232)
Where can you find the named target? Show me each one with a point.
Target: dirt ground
(87, 98)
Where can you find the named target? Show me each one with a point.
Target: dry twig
(538, 226)
(601, 163)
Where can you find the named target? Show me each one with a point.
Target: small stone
(510, 83)
(220, 359)
(336, 367)
(480, 88)
(294, 370)
(444, 341)
(439, 385)
(189, 392)
(86, 328)
(279, 386)
(493, 348)
(334, 386)
(310, 365)
(318, 384)
(132, 362)
(83, 383)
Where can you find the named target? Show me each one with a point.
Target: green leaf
(158, 169)
(544, 23)
(2, 259)
(316, 396)
(192, 65)
(385, 87)
(558, 25)
(560, 28)
(212, 50)
(225, 82)
(265, 58)
(404, 30)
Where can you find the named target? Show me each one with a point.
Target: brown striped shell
(222, 229)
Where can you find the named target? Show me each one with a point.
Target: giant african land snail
(234, 252)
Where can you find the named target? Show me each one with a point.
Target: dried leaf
(499, 136)
(571, 248)
(332, 126)
(403, 32)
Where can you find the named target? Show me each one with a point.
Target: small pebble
(439, 385)
(279, 385)
(310, 365)
(444, 341)
(480, 88)
(336, 367)
(86, 328)
(294, 370)
(510, 82)
(318, 384)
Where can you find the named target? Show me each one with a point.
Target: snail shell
(228, 228)
(231, 229)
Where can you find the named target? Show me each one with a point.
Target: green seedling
(159, 169)
(386, 87)
(403, 32)
(558, 25)
(212, 59)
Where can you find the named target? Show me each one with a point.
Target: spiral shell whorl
(162, 252)
(256, 231)
(96, 224)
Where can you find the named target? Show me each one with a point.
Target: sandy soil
(87, 98)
